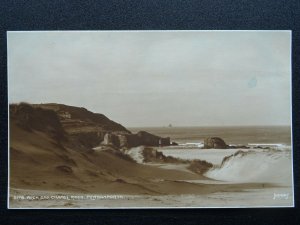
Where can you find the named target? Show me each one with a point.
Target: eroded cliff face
(84, 127)
(133, 140)
(75, 119)
(80, 126)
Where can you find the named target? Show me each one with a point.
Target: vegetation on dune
(34, 118)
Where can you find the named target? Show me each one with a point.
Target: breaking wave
(271, 166)
(136, 154)
(191, 145)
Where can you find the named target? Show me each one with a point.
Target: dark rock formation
(238, 146)
(165, 141)
(200, 166)
(152, 155)
(148, 139)
(152, 140)
(239, 153)
(197, 166)
(122, 140)
(215, 142)
(132, 140)
(261, 147)
(88, 139)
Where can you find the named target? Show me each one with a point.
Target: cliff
(80, 126)
(78, 119)
(133, 140)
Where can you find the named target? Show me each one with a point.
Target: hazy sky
(157, 78)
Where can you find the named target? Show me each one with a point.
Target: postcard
(149, 119)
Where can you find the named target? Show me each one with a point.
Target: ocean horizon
(231, 134)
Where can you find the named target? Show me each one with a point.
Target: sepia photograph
(149, 119)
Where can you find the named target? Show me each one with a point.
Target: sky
(154, 78)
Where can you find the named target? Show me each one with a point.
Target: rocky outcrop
(197, 166)
(165, 142)
(133, 140)
(123, 141)
(111, 139)
(215, 142)
(152, 155)
(200, 166)
(88, 139)
(148, 139)
(152, 140)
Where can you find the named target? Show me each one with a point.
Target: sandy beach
(234, 196)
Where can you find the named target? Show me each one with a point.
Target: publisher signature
(280, 196)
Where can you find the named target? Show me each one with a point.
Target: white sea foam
(255, 166)
(214, 156)
(192, 144)
(136, 154)
(272, 165)
(266, 144)
(279, 145)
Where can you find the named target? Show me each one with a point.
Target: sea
(271, 162)
(236, 135)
